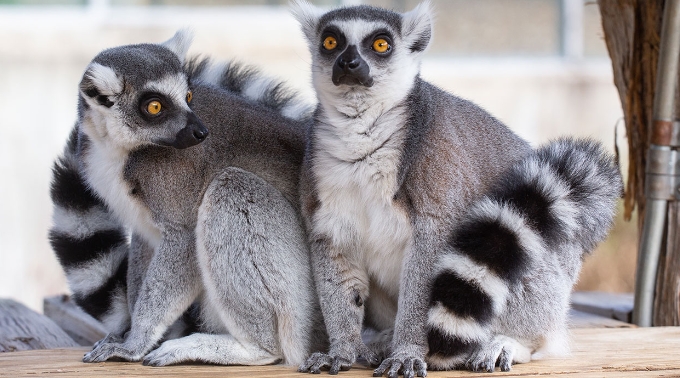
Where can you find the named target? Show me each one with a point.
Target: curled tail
(91, 245)
(555, 204)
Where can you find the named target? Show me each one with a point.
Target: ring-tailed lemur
(392, 164)
(214, 218)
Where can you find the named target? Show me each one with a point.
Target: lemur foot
(340, 358)
(409, 367)
(169, 353)
(317, 361)
(106, 351)
(111, 338)
(502, 351)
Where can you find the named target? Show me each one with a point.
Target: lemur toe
(505, 359)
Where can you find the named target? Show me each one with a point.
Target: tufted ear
(100, 84)
(180, 43)
(417, 27)
(308, 16)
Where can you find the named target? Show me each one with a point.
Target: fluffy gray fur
(501, 294)
(391, 166)
(214, 222)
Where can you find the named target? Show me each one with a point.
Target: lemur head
(363, 49)
(138, 95)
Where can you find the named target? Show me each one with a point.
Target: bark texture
(632, 30)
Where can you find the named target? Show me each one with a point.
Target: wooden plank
(83, 328)
(580, 319)
(610, 352)
(23, 329)
(617, 306)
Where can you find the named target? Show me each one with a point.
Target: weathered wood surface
(23, 329)
(617, 306)
(600, 352)
(580, 319)
(83, 329)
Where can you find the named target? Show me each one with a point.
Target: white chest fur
(104, 165)
(355, 164)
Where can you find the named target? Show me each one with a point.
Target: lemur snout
(351, 69)
(192, 134)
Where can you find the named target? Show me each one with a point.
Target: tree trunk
(632, 30)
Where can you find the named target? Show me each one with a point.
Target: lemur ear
(180, 43)
(417, 27)
(308, 16)
(100, 84)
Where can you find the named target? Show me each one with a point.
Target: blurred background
(541, 66)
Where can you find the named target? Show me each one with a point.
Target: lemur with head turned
(176, 204)
(428, 216)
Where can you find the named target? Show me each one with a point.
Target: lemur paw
(106, 351)
(409, 367)
(111, 338)
(166, 354)
(340, 358)
(318, 361)
(502, 351)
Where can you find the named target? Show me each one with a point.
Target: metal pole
(660, 182)
(571, 28)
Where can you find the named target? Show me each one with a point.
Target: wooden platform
(597, 352)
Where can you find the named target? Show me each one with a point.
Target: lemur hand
(342, 356)
(404, 363)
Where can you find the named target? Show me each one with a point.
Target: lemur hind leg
(255, 267)
(221, 349)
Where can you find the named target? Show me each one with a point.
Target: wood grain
(597, 352)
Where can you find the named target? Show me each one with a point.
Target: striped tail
(90, 243)
(248, 82)
(555, 204)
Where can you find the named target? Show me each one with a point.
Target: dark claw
(505, 361)
(316, 369)
(408, 368)
(335, 367)
(380, 370)
(394, 370)
(420, 368)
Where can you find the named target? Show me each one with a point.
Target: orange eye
(154, 107)
(381, 45)
(189, 97)
(330, 43)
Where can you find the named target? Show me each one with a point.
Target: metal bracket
(675, 134)
(663, 173)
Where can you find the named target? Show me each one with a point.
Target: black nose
(200, 133)
(192, 134)
(349, 66)
(351, 69)
(350, 60)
